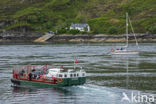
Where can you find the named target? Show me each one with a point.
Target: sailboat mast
(127, 28)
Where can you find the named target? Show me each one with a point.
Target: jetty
(44, 38)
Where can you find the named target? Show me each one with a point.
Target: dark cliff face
(101, 15)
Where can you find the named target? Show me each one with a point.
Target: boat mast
(127, 28)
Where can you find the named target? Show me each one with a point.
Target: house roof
(79, 25)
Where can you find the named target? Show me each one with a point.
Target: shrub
(112, 30)
(73, 31)
(152, 30)
(84, 32)
(62, 31)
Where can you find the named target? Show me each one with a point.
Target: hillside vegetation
(104, 16)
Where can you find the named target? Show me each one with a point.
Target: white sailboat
(124, 49)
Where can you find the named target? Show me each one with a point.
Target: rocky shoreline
(102, 38)
(30, 37)
(19, 36)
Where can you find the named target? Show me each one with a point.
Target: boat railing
(23, 72)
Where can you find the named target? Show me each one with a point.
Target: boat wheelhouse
(47, 76)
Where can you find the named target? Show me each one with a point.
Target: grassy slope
(44, 15)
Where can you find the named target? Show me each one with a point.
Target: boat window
(83, 74)
(65, 75)
(74, 75)
(53, 70)
(60, 75)
(71, 75)
(77, 75)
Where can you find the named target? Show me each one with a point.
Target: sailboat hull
(128, 52)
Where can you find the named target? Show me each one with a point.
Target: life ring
(45, 77)
(59, 79)
(24, 75)
(112, 50)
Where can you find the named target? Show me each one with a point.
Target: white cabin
(81, 27)
(61, 73)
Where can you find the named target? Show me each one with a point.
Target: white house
(81, 27)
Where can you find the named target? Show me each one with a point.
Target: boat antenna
(75, 62)
(127, 28)
(133, 33)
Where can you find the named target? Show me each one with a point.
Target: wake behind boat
(47, 76)
(124, 49)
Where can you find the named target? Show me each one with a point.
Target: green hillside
(104, 16)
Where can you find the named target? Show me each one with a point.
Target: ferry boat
(47, 76)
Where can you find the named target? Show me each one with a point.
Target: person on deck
(30, 76)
